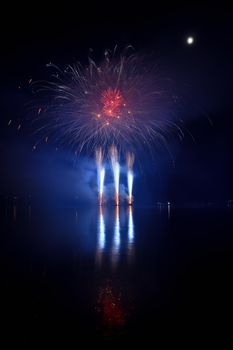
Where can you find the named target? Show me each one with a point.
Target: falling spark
(116, 171)
(100, 173)
(130, 176)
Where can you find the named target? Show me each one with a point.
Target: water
(114, 274)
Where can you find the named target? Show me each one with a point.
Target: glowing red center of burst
(112, 101)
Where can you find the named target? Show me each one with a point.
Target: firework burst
(117, 101)
(117, 104)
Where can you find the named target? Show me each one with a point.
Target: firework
(129, 163)
(116, 171)
(100, 173)
(116, 101)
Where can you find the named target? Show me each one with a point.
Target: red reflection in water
(110, 308)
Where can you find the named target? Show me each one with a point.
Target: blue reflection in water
(168, 210)
(130, 233)
(101, 233)
(130, 226)
(116, 239)
(114, 233)
(100, 238)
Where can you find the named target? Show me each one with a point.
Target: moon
(190, 40)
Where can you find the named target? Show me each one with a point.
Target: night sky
(201, 76)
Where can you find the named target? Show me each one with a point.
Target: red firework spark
(112, 102)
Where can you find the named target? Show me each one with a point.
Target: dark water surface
(114, 274)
